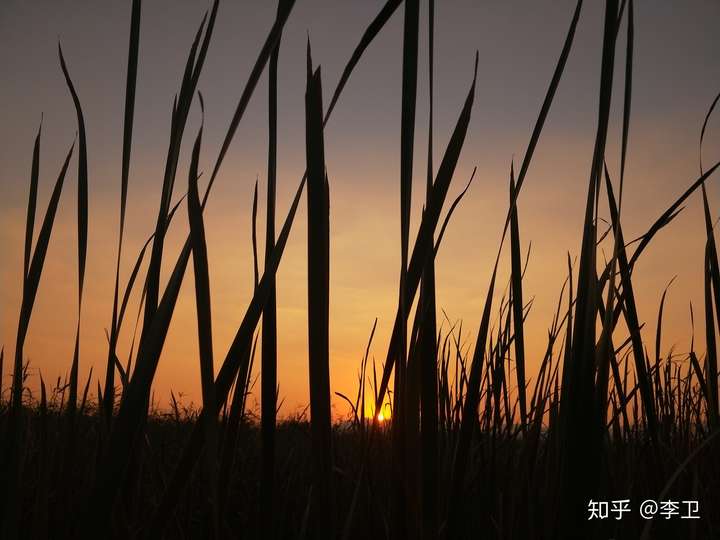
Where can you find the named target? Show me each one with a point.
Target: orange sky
(672, 91)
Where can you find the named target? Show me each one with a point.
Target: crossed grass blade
(33, 276)
(204, 324)
(82, 224)
(712, 282)
(424, 241)
(472, 396)
(82, 221)
(181, 108)
(10, 505)
(428, 348)
(157, 316)
(132, 279)
(628, 304)
(271, 41)
(268, 403)
(468, 419)
(368, 36)
(669, 214)
(134, 406)
(404, 415)
(580, 420)
(244, 335)
(517, 301)
(233, 362)
(605, 354)
(231, 431)
(557, 75)
(129, 115)
(660, 223)
(240, 391)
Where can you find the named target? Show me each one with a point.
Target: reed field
(463, 438)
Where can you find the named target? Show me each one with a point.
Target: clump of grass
(11, 506)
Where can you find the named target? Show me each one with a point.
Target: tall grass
(322, 502)
(11, 460)
(204, 323)
(579, 415)
(133, 53)
(82, 229)
(269, 320)
(427, 344)
(470, 451)
(405, 386)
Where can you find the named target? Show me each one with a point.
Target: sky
(676, 76)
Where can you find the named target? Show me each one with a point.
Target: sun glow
(383, 415)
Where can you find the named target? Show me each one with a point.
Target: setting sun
(384, 414)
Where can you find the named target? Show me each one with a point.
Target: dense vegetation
(468, 445)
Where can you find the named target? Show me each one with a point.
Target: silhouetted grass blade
(232, 362)
(517, 301)
(269, 317)
(371, 31)
(82, 220)
(131, 80)
(204, 323)
(404, 388)
(10, 504)
(271, 41)
(428, 350)
(227, 374)
(581, 427)
(322, 503)
(424, 241)
(32, 203)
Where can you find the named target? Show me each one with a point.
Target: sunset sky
(676, 77)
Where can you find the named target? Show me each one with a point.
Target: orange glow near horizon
(363, 285)
(670, 97)
(384, 414)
